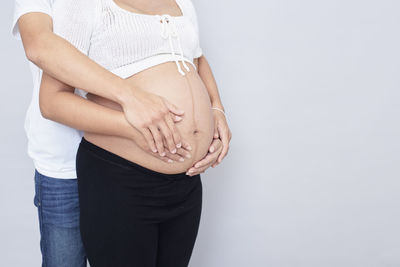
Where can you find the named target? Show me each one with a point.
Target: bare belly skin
(187, 93)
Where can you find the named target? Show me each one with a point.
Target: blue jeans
(58, 208)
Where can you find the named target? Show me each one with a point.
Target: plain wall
(312, 91)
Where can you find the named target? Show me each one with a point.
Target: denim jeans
(58, 208)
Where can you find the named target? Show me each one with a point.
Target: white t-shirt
(51, 145)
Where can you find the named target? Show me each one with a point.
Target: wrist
(125, 129)
(218, 110)
(124, 93)
(217, 104)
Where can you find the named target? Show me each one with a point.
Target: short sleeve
(193, 17)
(23, 7)
(75, 20)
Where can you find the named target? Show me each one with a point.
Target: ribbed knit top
(118, 39)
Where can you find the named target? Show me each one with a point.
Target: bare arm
(57, 57)
(59, 103)
(207, 77)
(216, 151)
(152, 115)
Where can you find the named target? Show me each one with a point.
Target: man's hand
(209, 160)
(180, 155)
(154, 117)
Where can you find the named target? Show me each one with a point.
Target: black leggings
(133, 216)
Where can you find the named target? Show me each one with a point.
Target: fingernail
(181, 159)
(162, 154)
(173, 151)
(154, 150)
(190, 171)
(188, 156)
(178, 118)
(197, 165)
(170, 160)
(189, 148)
(178, 145)
(211, 149)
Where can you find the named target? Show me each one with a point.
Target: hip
(108, 180)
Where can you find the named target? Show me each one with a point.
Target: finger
(210, 158)
(215, 145)
(225, 145)
(176, 118)
(165, 158)
(216, 135)
(186, 145)
(178, 156)
(173, 157)
(175, 133)
(169, 157)
(216, 163)
(149, 138)
(168, 136)
(174, 109)
(158, 140)
(194, 171)
(183, 153)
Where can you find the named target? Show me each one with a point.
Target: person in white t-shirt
(52, 146)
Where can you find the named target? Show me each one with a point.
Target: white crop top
(125, 42)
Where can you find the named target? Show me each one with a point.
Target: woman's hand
(219, 147)
(154, 117)
(209, 160)
(222, 131)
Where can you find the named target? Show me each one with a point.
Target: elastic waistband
(133, 68)
(109, 156)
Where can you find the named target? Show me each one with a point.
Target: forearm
(76, 69)
(76, 112)
(59, 103)
(60, 59)
(207, 77)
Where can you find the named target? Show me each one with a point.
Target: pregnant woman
(138, 209)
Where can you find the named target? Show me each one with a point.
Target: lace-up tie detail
(169, 31)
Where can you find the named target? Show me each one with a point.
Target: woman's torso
(186, 92)
(142, 48)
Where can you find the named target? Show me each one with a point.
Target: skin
(42, 45)
(188, 92)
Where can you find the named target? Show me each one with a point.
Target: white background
(312, 93)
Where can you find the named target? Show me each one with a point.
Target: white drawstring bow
(169, 31)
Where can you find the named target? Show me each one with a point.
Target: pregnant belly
(187, 93)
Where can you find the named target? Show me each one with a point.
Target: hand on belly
(197, 127)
